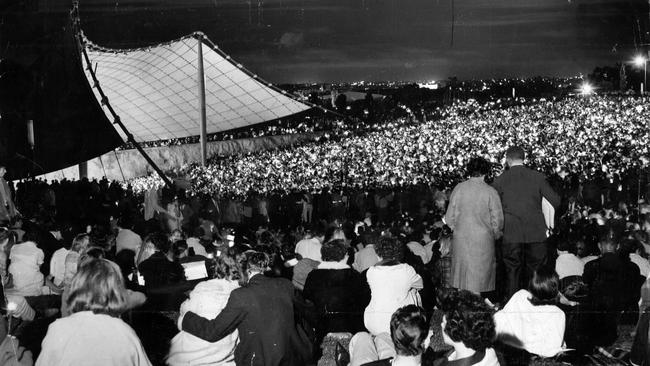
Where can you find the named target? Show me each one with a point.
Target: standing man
(524, 234)
(7, 208)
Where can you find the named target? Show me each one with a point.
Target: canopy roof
(155, 90)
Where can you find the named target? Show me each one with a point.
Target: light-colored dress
(476, 217)
(537, 329)
(85, 338)
(391, 288)
(207, 300)
(26, 260)
(57, 265)
(71, 264)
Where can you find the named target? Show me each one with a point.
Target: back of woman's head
(31, 235)
(98, 286)
(629, 246)
(253, 261)
(544, 286)
(333, 250)
(179, 247)
(160, 241)
(390, 249)
(408, 330)
(227, 267)
(468, 318)
(266, 238)
(477, 167)
(333, 233)
(80, 242)
(99, 236)
(90, 253)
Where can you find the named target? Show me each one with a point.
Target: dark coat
(340, 297)
(614, 285)
(263, 314)
(521, 191)
(614, 282)
(158, 271)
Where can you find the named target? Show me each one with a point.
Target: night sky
(345, 40)
(288, 41)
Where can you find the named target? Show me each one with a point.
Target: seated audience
(25, 263)
(309, 246)
(614, 285)
(301, 271)
(176, 235)
(531, 320)
(405, 345)
(392, 284)
(79, 246)
(366, 257)
(126, 237)
(262, 312)
(468, 326)
(207, 300)
(57, 264)
(585, 252)
(194, 242)
(567, 264)
(94, 334)
(339, 293)
(637, 255)
(160, 269)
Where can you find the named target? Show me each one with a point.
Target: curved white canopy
(155, 90)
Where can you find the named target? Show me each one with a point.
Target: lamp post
(642, 61)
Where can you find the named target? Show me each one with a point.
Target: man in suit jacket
(7, 208)
(263, 314)
(524, 233)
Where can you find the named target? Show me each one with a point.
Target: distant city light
(586, 89)
(429, 85)
(639, 60)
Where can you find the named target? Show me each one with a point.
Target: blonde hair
(80, 243)
(98, 286)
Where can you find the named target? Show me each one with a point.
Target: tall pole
(104, 99)
(645, 75)
(201, 76)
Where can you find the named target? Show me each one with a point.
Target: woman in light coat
(476, 217)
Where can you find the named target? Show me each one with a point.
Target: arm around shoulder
(213, 330)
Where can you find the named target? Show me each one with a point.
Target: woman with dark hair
(467, 326)
(409, 330)
(208, 299)
(475, 215)
(94, 334)
(393, 284)
(531, 319)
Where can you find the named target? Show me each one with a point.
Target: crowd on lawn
(415, 240)
(599, 138)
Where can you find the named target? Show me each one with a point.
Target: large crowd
(603, 138)
(411, 245)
